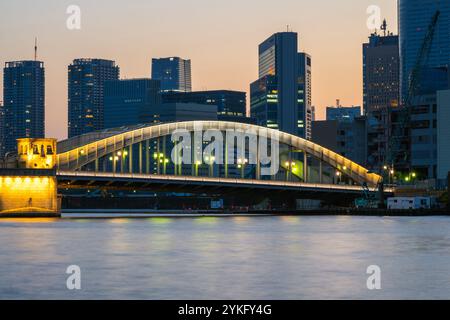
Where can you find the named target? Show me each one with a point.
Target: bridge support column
(130, 159)
(305, 166)
(96, 157)
(140, 157)
(258, 162)
(164, 153)
(122, 160)
(320, 171)
(147, 156)
(226, 158)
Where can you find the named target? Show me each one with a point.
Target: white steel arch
(78, 155)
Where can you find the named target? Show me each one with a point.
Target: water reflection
(226, 258)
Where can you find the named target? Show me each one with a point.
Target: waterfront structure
(381, 72)
(281, 97)
(86, 94)
(174, 74)
(29, 186)
(120, 159)
(24, 102)
(414, 17)
(127, 101)
(231, 105)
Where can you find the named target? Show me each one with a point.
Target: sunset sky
(221, 38)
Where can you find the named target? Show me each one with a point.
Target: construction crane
(394, 151)
(399, 131)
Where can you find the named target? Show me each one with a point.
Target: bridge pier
(29, 189)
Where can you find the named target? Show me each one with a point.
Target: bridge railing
(202, 180)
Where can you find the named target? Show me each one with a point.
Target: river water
(226, 258)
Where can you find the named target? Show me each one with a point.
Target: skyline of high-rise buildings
(281, 98)
(24, 102)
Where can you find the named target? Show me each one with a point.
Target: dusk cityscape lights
(229, 151)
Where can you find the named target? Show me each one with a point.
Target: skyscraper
(24, 102)
(174, 74)
(127, 101)
(381, 63)
(281, 97)
(86, 93)
(414, 18)
(305, 91)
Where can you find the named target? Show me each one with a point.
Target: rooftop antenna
(384, 27)
(35, 49)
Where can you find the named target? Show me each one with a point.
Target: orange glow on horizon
(224, 55)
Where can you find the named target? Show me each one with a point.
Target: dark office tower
(415, 17)
(279, 98)
(128, 101)
(24, 102)
(86, 93)
(174, 74)
(231, 105)
(381, 82)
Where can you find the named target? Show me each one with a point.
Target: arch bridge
(146, 153)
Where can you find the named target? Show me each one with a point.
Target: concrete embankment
(220, 213)
(139, 213)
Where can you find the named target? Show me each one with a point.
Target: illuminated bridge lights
(120, 145)
(25, 194)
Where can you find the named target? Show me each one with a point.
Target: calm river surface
(226, 258)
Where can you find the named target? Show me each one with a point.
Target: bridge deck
(75, 179)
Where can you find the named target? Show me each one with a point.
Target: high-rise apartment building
(24, 102)
(86, 93)
(174, 74)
